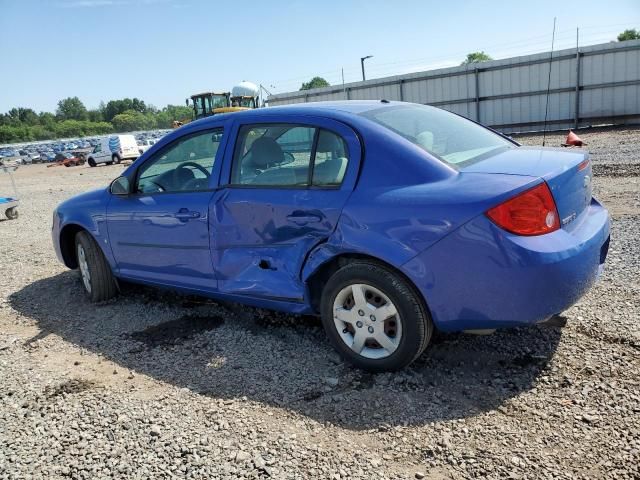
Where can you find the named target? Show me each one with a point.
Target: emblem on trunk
(569, 219)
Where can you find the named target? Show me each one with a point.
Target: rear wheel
(374, 317)
(95, 273)
(11, 213)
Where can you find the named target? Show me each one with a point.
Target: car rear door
(285, 184)
(160, 233)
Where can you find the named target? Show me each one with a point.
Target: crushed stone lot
(158, 385)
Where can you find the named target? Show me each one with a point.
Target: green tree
(168, 114)
(115, 107)
(47, 119)
(132, 120)
(95, 116)
(476, 57)
(629, 34)
(71, 109)
(315, 82)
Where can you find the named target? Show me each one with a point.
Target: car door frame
(346, 131)
(132, 174)
(315, 121)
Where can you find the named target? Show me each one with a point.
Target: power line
(539, 44)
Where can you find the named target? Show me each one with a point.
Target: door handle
(185, 214)
(303, 219)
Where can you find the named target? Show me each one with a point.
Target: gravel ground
(157, 385)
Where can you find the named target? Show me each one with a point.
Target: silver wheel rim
(84, 268)
(367, 321)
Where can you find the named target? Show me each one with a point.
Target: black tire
(102, 282)
(11, 213)
(416, 323)
(91, 162)
(115, 159)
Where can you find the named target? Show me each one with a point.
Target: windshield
(454, 140)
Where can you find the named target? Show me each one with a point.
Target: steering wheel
(179, 182)
(197, 166)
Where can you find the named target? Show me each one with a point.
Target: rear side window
(289, 156)
(330, 160)
(454, 140)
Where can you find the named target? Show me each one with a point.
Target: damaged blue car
(387, 219)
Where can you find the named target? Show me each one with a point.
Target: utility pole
(362, 65)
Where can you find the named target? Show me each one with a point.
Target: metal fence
(598, 84)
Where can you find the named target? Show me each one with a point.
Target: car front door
(160, 232)
(286, 185)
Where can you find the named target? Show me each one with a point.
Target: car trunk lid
(566, 171)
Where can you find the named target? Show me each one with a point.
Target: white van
(114, 149)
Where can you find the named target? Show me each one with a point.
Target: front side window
(454, 140)
(184, 166)
(273, 155)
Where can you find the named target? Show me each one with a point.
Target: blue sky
(164, 50)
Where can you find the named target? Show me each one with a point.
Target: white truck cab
(114, 149)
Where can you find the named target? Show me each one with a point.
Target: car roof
(330, 109)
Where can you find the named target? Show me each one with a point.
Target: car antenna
(546, 108)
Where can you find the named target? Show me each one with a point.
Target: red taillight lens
(532, 212)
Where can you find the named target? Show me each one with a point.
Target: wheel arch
(316, 279)
(67, 244)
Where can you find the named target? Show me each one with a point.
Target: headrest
(266, 151)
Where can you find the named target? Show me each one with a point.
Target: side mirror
(186, 102)
(120, 186)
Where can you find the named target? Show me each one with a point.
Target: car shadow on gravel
(229, 351)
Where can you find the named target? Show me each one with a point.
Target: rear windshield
(454, 140)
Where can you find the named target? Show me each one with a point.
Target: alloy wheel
(367, 321)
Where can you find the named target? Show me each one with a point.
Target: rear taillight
(532, 212)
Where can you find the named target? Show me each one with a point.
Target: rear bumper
(482, 277)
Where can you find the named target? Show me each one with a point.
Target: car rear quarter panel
(395, 224)
(482, 277)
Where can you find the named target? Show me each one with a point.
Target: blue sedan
(387, 219)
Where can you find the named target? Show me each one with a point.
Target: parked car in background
(387, 219)
(145, 144)
(113, 149)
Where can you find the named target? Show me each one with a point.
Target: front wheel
(374, 317)
(99, 283)
(92, 162)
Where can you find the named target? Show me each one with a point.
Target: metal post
(401, 90)
(362, 59)
(477, 79)
(343, 89)
(577, 107)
